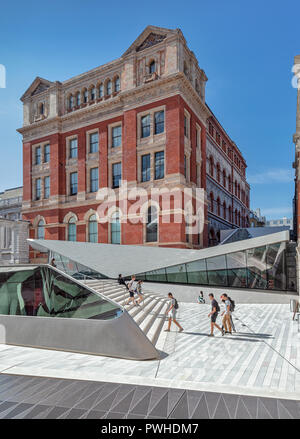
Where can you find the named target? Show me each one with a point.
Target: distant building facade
(141, 118)
(281, 222)
(228, 192)
(256, 219)
(11, 203)
(14, 248)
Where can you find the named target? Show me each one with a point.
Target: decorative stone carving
(150, 41)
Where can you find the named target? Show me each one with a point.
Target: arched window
(78, 99)
(117, 84)
(151, 226)
(229, 183)
(108, 87)
(224, 178)
(218, 173)
(85, 96)
(72, 229)
(93, 93)
(211, 166)
(71, 102)
(152, 67)
(235, 217)
(224, 210)
(93, 229)
(235, 188)
(218, 207)
(115, 229)
(41, 108)
(197, 85)
(229, 214)
(41, 229)
(101, 91)
(211, 197)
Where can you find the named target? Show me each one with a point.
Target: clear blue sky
(245, 48)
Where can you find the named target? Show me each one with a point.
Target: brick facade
(122, 94)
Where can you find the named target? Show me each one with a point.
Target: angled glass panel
(196, 272)
(74, 269)
(276, 272)
(156, 275)
(176, 273)
(237, 269)
(256, 267)
(44, 292)
(216, 270)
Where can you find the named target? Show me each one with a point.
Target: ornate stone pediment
(149, 37)
(38, 86)
(150, 41)
(41, 87)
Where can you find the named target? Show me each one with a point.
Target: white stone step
(158, 324)
(148, 321)
(150, 315)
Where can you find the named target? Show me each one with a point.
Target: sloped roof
(112, 259)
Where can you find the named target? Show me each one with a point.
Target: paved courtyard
(261, 359)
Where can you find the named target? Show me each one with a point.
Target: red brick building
(141, 119)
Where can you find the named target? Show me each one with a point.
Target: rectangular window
(146, 167)
(93, 142)
(73, 148)
(185, 165)
(38, 189)
(145, 126)
(47, 187)
(159, 122)
(73, 183)
(94, 181)
(47, 153)
(116, 175)
(186, 132)
(116, 136)
(159, 165)
(38, 155)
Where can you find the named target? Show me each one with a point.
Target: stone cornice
(153, 91)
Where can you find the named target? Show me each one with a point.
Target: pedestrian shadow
(228, 337)
(256, 335)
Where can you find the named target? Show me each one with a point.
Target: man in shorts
(172, 312)
(213, 315)
(131, 289)
(226, 314)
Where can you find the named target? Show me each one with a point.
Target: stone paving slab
(261, 359)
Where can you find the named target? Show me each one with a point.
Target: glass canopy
(258, 268)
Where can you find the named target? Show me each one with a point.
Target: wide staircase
(150, 315)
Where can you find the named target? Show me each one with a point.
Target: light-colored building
(256, 218)
(11, 203)
(14, 247)
(281, 222)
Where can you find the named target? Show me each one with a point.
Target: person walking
(201, 298)
(215, 309)
(171, 312)
(226, 314)
(121, 280)
(131, 288)
(232, 307)
(139, 292)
